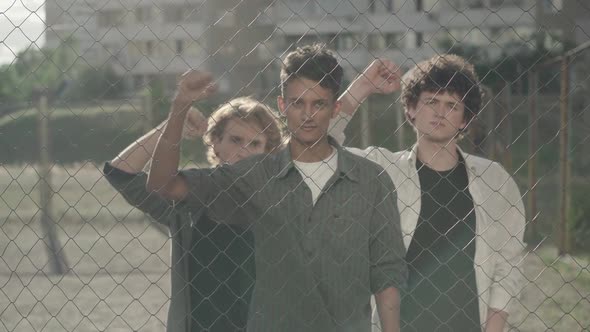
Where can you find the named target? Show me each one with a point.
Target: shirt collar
(413, 155)
(347, 166)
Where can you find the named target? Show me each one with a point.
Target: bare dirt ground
(119, 265)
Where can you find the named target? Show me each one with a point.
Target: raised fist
(194, 85)
(381, 76)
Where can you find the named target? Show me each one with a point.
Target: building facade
(240, 41)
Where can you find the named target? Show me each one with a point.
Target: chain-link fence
(76, 255)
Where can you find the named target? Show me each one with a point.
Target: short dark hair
(313, 62)
(444, 73)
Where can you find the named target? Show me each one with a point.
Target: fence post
(563, 229)
(57, 261)
(532, 162)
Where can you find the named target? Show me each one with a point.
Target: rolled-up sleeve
(387, 251)
(132, 188)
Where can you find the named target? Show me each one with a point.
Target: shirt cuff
(499, 298)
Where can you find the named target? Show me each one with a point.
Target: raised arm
(135, 157)
(381, 76)
(163, 175)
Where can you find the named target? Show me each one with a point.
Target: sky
(21, 23)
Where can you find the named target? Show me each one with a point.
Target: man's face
(240, 139)
(438, 116)
(309, 109)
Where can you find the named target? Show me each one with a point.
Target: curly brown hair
(246, 109)
(444, 73)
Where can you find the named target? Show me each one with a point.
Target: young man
(212, 265)
(325, 222)
(462, 216)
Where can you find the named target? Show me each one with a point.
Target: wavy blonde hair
(249, 110)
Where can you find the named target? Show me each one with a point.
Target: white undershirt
(316, 174)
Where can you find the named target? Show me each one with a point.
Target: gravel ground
(119, 265)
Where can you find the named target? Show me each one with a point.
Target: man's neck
(439, 157)
(310, 153)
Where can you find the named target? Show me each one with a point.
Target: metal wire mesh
(76, 256)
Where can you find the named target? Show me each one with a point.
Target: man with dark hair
(462, 216)
(325, 221)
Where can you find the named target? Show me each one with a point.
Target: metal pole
(532, 162)
(563, 246)
(57, 262)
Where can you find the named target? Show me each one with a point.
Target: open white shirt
(499, 210)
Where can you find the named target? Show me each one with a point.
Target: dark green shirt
(212, 265)
(316, 265)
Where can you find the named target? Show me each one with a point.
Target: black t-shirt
(442, 292)
(223, 276)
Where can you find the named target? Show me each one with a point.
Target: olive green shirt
(316, 265)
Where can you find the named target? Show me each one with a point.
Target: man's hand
(381, 76)
(195, 124)
(193, 85)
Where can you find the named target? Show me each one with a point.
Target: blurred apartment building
(240, 41)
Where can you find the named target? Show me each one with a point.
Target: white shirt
(317, 174)
(499, 211)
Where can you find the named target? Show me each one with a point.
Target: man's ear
(337, 108)
(282, 106)
(410, 116)
(215, 140)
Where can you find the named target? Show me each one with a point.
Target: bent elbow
(155, 187)
(171, 190)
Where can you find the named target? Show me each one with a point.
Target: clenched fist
(193, 85)
(381, 76)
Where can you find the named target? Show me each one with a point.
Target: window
(144, 14)
(392, 40)
(175, 13)
(179, 46)
(552, 6)
(345, 41)
(389, 5)
(109, 18)
(149, 48)
(476, 4)
(377, 42)
(419, 39)
(372, 6)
